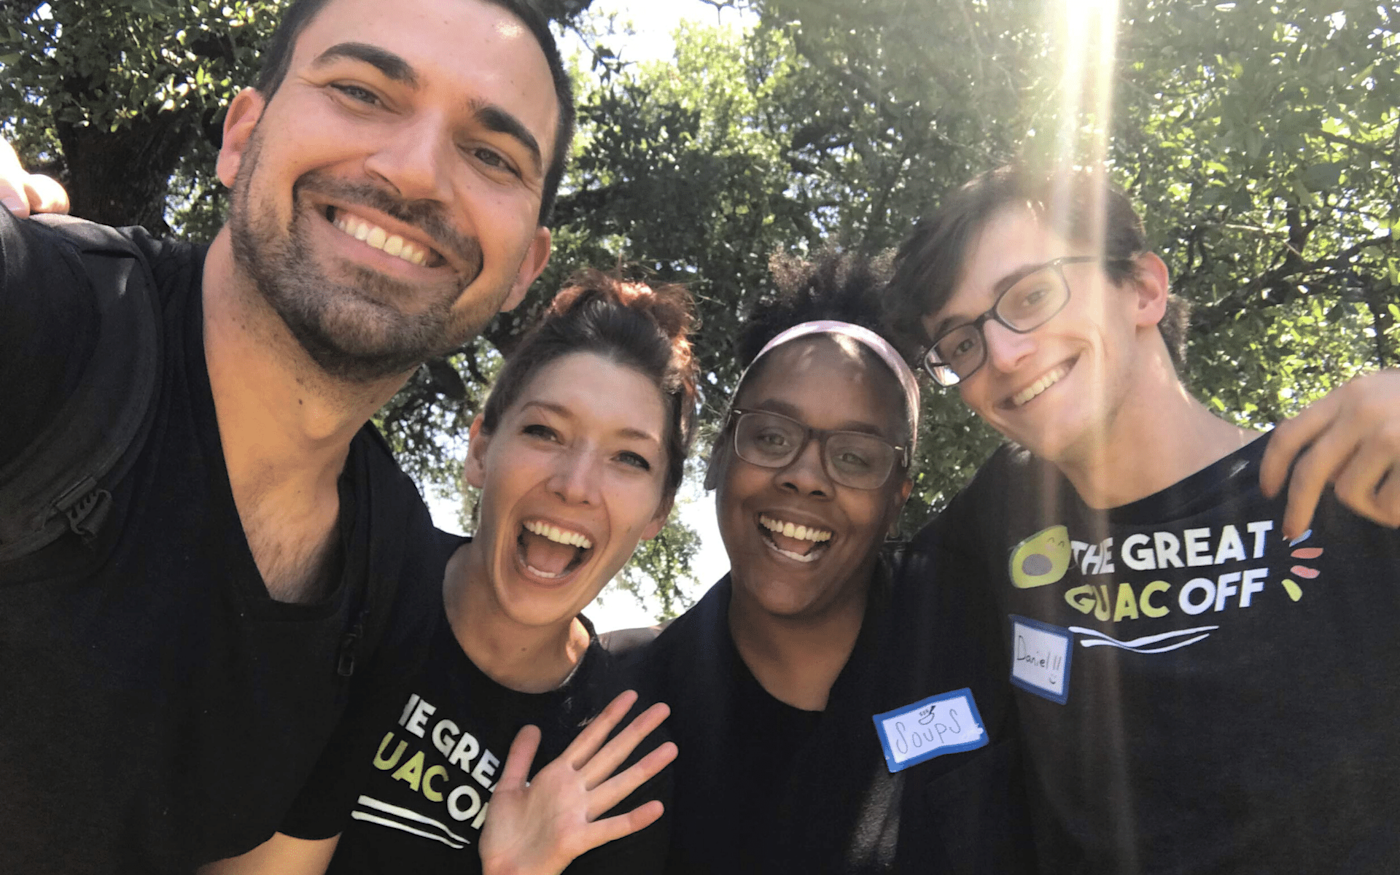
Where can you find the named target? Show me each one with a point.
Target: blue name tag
(947, 723)
(1040, 657)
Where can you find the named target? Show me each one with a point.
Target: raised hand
(24, 192)
(1350, 439)
(538, 827)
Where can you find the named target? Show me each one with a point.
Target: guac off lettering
(404, 756)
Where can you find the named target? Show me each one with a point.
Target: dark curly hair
(642, 327)
(835, 285)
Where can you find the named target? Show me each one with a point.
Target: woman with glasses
(828, 721)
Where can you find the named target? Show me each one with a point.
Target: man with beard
(168, 687)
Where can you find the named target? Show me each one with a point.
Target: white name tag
(1040, 658)
(932, 727)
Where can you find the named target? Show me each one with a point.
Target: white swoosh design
(1139, 645)
(407, 814)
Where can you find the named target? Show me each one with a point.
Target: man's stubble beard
(352, 329)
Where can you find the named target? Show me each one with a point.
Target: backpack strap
(60, 481)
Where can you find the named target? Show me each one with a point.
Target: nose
(410, 159)
(1006, 348)
(806, 475)
(577, 479)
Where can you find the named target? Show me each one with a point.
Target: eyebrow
(493, 118)
(393, 67)
(566, 413)
(1000, 286)
(774, 405)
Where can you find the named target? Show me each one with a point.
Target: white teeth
(800, 557)
(377, 237)
(790, 530)
(1039, 386)
(558, 535)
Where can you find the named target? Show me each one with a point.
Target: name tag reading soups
(1040, 658)
(932, 727)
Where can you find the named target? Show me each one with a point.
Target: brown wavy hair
(643, 327)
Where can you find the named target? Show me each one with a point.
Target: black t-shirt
(763, 787)
(407, 780)
(157, 708)
(1198, 693)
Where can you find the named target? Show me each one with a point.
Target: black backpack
(61, 481)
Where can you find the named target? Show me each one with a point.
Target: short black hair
(931, 262)
(833, 284)
(277, 60)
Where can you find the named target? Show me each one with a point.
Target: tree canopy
(1262, 140)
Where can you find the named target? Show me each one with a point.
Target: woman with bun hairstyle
(832, 716)
(577, 454)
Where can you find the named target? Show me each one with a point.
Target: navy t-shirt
(764, 787)
(407, 780)
(1198, 693)
(157, 708)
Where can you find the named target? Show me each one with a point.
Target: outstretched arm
(26, 193)
(538, 827)
(1350, 439)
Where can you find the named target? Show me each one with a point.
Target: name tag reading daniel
(947, 723)
(1040, 655)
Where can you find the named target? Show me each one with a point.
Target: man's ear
(658, 522)
(1153, 287)
(530, 269)
(474, 469)
(242, 119)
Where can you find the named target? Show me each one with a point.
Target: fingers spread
(582, 749)
(613, 828)
(611, 792)
(516, 771)
(616, 751)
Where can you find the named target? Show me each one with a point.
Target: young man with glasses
(1203, 681)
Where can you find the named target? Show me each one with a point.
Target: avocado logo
(1041, 559)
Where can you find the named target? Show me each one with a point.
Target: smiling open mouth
(549, 551)
(802, 543)
(1034, 389)
(376, 237)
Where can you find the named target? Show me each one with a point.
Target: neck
(797, 659)
(282, 421)
(528, 659)
(1158, 436)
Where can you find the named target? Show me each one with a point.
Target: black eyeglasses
(850, 458)
(1031, 301)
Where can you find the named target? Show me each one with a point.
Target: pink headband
(867, 338)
